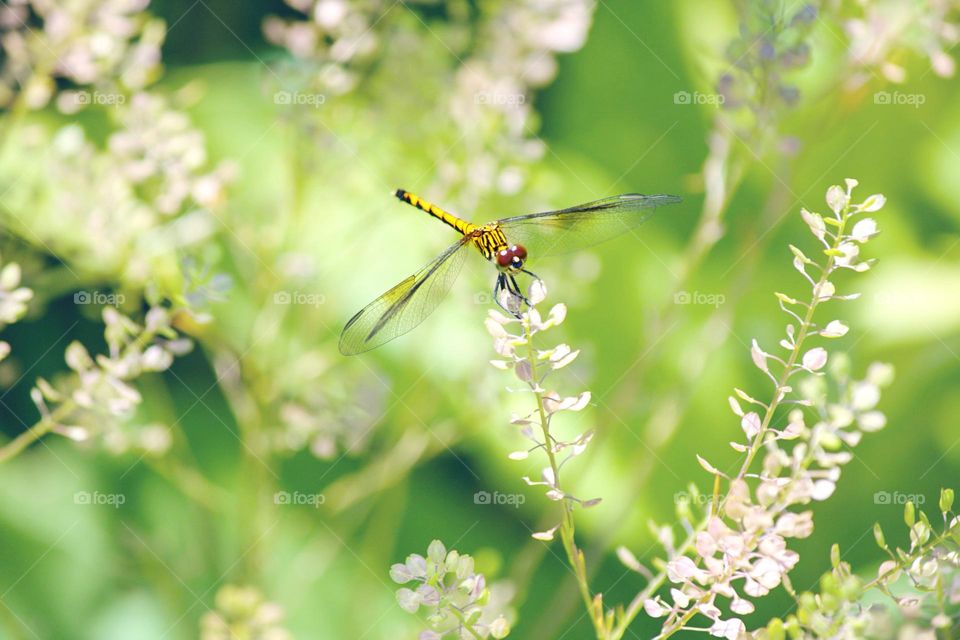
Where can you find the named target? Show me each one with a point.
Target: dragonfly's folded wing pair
(549, 233)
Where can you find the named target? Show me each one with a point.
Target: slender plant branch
(567, 529)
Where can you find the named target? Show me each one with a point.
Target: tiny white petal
(836, 199)
(824, 291)
(547, 476)
(729, 629)
(864, 230)
(751, 424)
(872, 421)
(559, 363)
(873, 203)
(408, 600)
(735, 406)
(822, 489)
(500, 318)
(654, 609)
(628, 559)
(835, 329)
(495, 328)
(759, 357)
(741, 606)
(815, 222)
(680, 598)
(709, 467)
(558, 313)
(537, 291)
(545, 535)
(815, 359)
(77, 434)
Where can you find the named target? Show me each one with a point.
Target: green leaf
(910, 514)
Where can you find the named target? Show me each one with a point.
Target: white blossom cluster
(457, 599)
(493, 93)
(98, 399)
(118, 207)
(921, 582)
(127, 206)
(336, 34)
(107, 45)
(13, 300)
(243, 612)
(341, 418)
(739, 552)
(889, 28)
(13, 297)
(532, 366)
(488, 60)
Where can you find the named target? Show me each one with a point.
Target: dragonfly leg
(516, 290)
(503, 284)
(531, 274)
(497, 287)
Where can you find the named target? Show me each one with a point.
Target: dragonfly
(509, 243)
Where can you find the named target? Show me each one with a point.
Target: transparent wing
(405, 306)
(567, 230)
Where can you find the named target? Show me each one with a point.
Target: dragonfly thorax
(492, 243)
(489, 240)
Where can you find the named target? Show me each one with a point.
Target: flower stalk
(742, 537)
(532, 365)
(567, 527)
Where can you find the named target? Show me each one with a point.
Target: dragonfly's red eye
(519, 251)
(504, 258)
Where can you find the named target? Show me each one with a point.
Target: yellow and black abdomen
(459, 224)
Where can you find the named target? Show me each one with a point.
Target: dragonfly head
(511, 258)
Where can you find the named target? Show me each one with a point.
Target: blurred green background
(434, 413)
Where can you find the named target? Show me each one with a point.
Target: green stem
(567, 529)
(463, 623)
(37, 431)
(788, 369)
